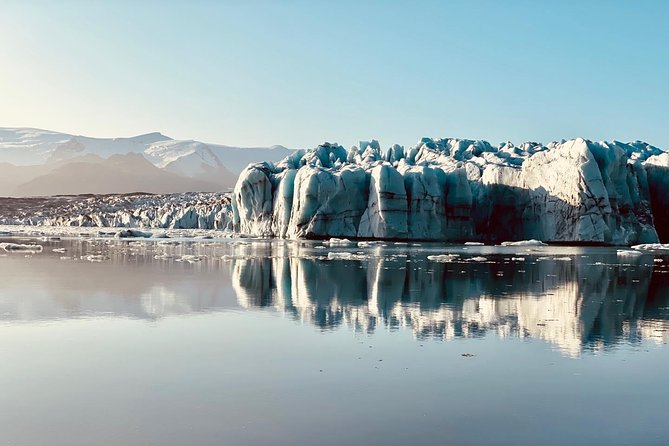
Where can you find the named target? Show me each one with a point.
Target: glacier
(192, 210)
(456, 190)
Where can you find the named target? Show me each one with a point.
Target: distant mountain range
(42, 162)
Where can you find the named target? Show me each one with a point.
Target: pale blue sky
(301, 72)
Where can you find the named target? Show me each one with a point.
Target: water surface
(248, 342)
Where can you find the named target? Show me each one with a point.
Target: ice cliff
(455, 190)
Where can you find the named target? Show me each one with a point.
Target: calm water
(252, 343)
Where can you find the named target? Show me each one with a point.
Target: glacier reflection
(590, 301)
(577, 299)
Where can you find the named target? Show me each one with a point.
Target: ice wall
(454, 190)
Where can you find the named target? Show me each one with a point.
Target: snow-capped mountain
(27, 146)
(187, 156)
(26, 153)
(117, 174)
(192, 159)
(103, 147)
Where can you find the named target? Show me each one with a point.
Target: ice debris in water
(628, 253)
(652, 247)
(443, 258)
(370, 243)
(127, 233)
(531, 242)
(162, 256)
(14, 247)
(346, 256)
(95, 258)
(474, 243)
(337, 242)
(190, 258)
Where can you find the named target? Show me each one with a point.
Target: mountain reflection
(585, 302)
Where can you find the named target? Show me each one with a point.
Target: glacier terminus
(454, 190)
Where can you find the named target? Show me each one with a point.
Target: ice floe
(17, 247)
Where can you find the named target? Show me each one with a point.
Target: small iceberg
(128, 233)
(628, 253)
(531, 242)
(338, 242)
(445, 258)
(15, 247)
(652, 247)
(478, 259)
(345, 256)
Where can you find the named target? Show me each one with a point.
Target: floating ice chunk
(474, 243)
(340, 255)
(133, 233)
(371, 243)
(59, 250)
(628, 253)
(446, 258)
(345, 256)
(337, 242)
(531, 242)
(15, 247)
(478, 259)
(190, 258)
(517, 259)
(658, 260)
(95, 258)
(652, 247)
(562, 259)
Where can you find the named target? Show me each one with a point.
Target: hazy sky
(301, 72)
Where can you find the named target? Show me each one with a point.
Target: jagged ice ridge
(576, 191)
(170, 211)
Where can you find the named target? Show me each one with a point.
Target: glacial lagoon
(252, 342)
